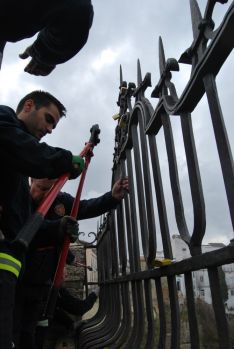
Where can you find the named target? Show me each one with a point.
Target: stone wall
(75, 276)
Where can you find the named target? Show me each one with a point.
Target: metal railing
(127, 316)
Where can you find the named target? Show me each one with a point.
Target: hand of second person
(120, 188)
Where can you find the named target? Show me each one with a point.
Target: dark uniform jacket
(90, 208)
(42, 258)
(21, 156)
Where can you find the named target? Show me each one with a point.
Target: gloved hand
(78, 166)
(70, 227)
(35, 66)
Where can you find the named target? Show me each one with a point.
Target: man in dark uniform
(43, 256)
(63, 27)
(22, 155)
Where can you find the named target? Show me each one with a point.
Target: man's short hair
(41, 99)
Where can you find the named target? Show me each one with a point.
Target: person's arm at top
(61, 39)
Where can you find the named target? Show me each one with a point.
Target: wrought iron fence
(127, 316)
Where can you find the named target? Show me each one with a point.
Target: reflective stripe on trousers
(43, 323)
(9, 263)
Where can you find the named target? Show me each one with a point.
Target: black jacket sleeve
(89, 208)
(95, 207)
(25, 154)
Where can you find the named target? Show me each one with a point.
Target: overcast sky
(122, 32)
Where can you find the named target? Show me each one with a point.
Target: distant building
(200, 278)
(74, 276)
(91, 260)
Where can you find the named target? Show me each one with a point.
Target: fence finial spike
(120, 75)
(162, 61)
(196, 17)
(139, 76)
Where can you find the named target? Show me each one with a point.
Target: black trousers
(7, 300)
(29, 306)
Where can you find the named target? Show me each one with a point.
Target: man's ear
(28, 105)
